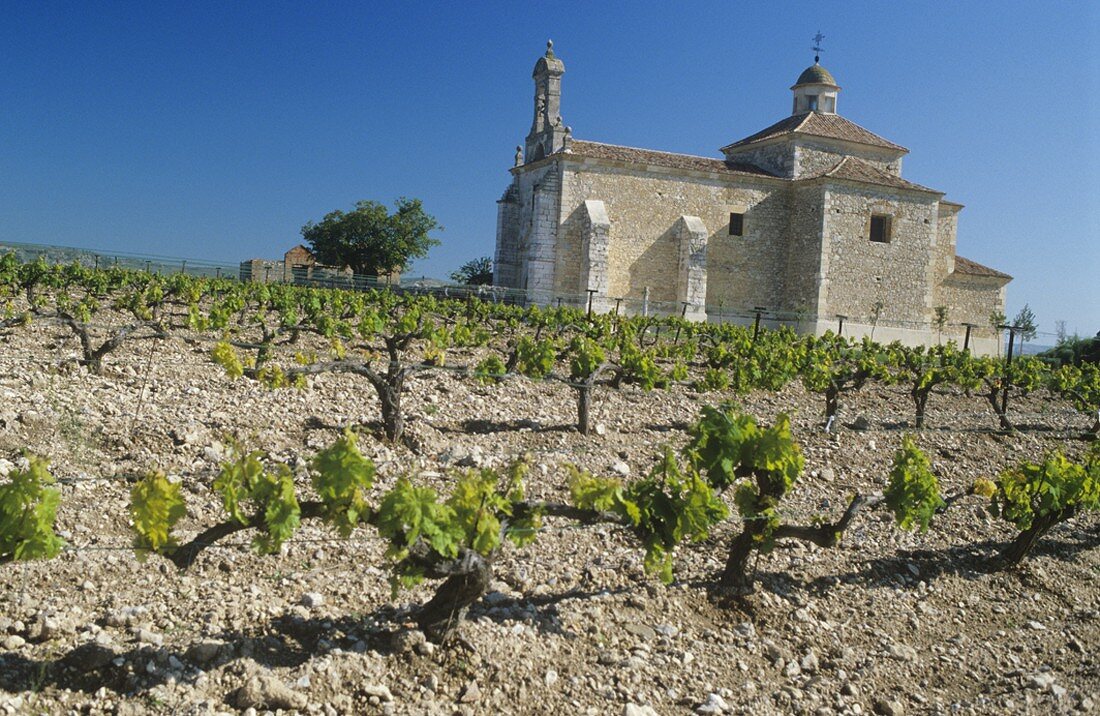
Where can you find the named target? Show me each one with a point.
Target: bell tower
(547, 130)
(815, 90)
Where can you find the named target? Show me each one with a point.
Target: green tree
(1025, 321)
(876, 313)
(370, 239)
(478, 272)
(996, 320)
(940, 320)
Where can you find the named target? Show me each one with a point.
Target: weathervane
(817, 46)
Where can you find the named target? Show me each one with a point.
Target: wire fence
(143, 366)
(1056, 422)
(322, 277)
(87, 553)
(806, 510)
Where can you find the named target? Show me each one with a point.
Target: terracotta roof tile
(818, 124)
(973, 268)
(858, 170)
(633, 155)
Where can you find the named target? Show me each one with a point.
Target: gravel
(888, 622)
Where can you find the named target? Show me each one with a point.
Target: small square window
(737, 224)
(880, 228)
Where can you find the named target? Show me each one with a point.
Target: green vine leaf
(408, 513)
(281, 512)
(237, 479)
(274, 506)
(913, 494)
(28, 512)
(342, 476)
(156, 505)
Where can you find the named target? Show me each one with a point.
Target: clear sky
(216, 130)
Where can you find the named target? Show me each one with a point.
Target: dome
(815, 74)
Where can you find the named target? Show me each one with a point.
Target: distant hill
(141, 262)
(1074, 351)
(1031, 349)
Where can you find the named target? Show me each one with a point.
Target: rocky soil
(889, 623)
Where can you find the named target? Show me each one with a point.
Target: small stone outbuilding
(300, 266)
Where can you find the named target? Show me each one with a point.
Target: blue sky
(217, 129)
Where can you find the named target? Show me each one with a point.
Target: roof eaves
(664, 160)
(967, 267)
(805, 127)
(892, 145)
(836, 168)
(887, 180)
(891, 148)
(756, 143)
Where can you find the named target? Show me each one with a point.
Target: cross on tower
(817, 46)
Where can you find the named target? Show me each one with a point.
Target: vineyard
(218, 496)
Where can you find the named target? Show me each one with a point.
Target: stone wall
(804, 279)
(527, 227)
(543, 250)
(691, 283)
(861, 272)
(776, 157)
(507, 258)
(644, 206)
(815, 157)
(297, 262)
(748, 270)
(262, 271)
(595, 242)
(971, 299)
(294, 271)
(299, 256)
(943, 256)
(636, 231)
(793, 158)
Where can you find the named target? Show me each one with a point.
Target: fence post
(683, 316)
(966, 340)
(756, 323)
(645, 301)
(1008, 369)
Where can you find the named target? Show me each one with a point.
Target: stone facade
(784, 221)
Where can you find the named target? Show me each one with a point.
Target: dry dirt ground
(890, 622)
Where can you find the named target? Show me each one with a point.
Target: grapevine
(1037, 497)
(28, 511)
(913, 494)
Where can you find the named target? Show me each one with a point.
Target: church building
(808, 219)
